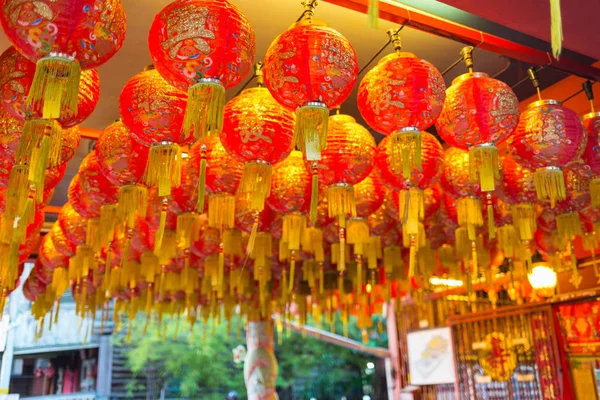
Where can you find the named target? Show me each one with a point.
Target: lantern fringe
(357, 233)
(412, 260)
(524, 219)
(40, 147)
(550, 185)
(232, 243)
(412, 209)
(56, 85)
(483, 166)
(292, 278)
(18, 202)
(202, 181)
(204, 111)
(188, 229)
(314, 195)
(556, 28)
(221, 274)
(253, 234)
(168, 250)
(508, 240)
(406, 151)
(256, 183)
(468, 210)
(92, 235)
(341, 201)
(568, 225)
(373, 13)
(162, 225)
(595, 192)
(310, 134)
(490, 216)
(359, 273)
(132, 201)
(293, 230)
(221, 211)
(164, 167)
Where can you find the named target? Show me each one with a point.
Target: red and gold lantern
(548, 137)
(310, 69)
(402, 96)
(290, 186)
(205, 47)
(63, 37)
(591, 154)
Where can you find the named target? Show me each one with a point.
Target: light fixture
(543, 279)
(445, 282)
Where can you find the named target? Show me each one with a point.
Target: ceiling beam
(426, 22)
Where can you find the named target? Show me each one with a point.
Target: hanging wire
(575, 94)
(245, 85)
(527, 77)
(451, 67)
(379, 52)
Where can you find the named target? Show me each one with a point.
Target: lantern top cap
(342, 118)
(591, 115)
(469, 75)
(540, 103)
(408, 129)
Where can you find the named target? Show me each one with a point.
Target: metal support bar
(423, 21)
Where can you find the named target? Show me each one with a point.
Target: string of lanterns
(191, 205)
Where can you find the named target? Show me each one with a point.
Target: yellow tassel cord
(168, 250)
(220, 273)
(595, 192)
(162, 224)
(508, 241)
(490, 216)
(293, 230)
(232, 243)
(341, 201)
(19, 204)
(221, 211)
(556, 31)
(568, 225)
(40, 148)
(107, 224)
(359, 274)
(55, 87)
(483, 166)
(188, 229)
(550, 185)
(357, 234)
(524, 219)
(202, 179)
(312, 243)
(256, 184)
(204, 112)
(164, 167)
(292, 272)
(412, 209)
(373, 13)
(84, 261)
(92, 236)
(314, 195)
(468, 210)
(406, 151)
(310, 134)
(132, 202)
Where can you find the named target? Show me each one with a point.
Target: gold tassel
(92, 236)
(568, 225)
(202, 179)
(373, 13)
(508, 241)
(468, 210)
(357, 233)
(204, 112)
(483, 166)
(550, 185)
(162, 224)
(256, 183)
(133, 201)
(220, 273)
(412, 256)
(40, 147)
(463, 243)
(56, 85)
(392, 259)
(406, 151)
(292, 272)
(221, 211)
(341, 201)
(314, 195)
(595, 192)
(107, 223)
(359, 273)
(490, 216)
(253, 233)
(524, 219)
(168, 250)
(188, 229)
(293, 230)
(163, 169)
(18, 195)
(232, 243)
(310, 134)
(556, 28)
(412, 209)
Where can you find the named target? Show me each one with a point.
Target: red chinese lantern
(591, 154)
(369, 195)
(153, 112)
(310, 69)
(548, 137)
(479, 113)
(11, 130)
(205, 47)
(290, 185)
(258, 131)
(402, 96)
(63, 37)
(122, 160)
(91, 190)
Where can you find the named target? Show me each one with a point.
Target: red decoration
(518, 183)
(90, 190)
(401, 91)
(369, 195)
(121, 158)
(431, 163)
(591, 154)
(17, 74)
(478, 110)
(223, 172)
(455, 176)
(72, 225)
(290, 185)
(431, 202)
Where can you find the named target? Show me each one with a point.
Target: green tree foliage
(198, 363)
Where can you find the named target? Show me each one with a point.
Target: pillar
(260, 366)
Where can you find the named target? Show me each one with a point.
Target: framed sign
(431, 357)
